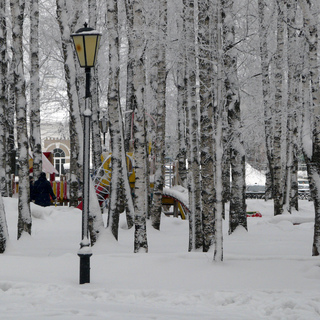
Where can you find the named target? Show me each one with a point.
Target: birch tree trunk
(138, 49)
(238, 216)
(292, 161)
(277, 116)
(3, 97)
(24, 213)
(10, 145)
(95, 107)
(128, 130)
(116, 186)
(181, 103)
(159, 177)
(297, 112)
(151, 100)
(151, 66)
(313, 156)
(35, 132)
(75, 125)
(182, 154)
(125, 178)
(218, 122)
(266, 95)
(127, 134)
(4, 235)
(195, 223)
(206, 118)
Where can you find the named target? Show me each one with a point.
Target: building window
(59, 158)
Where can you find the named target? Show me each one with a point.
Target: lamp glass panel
(79, 46)
(91, 48)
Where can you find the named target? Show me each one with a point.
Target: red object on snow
(254, 214)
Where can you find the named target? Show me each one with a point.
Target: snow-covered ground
(267, 272)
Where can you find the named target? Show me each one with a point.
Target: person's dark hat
(42, 175)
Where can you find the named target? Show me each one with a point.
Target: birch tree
(277, 115)
(10, 136)
(218, 142)
(181, 100)
(127, 134)
(35, 132)
(3, 96)
(138, 50)
(4, 235)
(159, 177)
(95, 107)
(116, 185)
(266, 91)
(238, 216)
(292, 106)
(128, 129)
(205, 38)
(24, 214)
(195, 223)
(151, 66)
(312, 152)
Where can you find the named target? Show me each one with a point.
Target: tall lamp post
(86, 42)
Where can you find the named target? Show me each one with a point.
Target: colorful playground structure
(174, 199)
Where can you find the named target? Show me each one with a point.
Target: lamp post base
(84, 267)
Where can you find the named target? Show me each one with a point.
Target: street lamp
(86, 42)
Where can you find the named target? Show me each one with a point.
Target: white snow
(267, 272)
(254, 176)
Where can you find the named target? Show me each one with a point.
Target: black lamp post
(86, 42)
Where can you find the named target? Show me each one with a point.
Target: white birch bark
(138, 50)
(125, 178)
(206, 120)
(218, 227)
(3, 97)
(4, 235)
(292, 161)
(237, 212)
(312, 154)
(151, 69)
(128, 129)
(195, 223)
(24, 213)
(116, 185)
(10, 137)
(218, 231)
(159, 177)
(95, 222)
(151, 66)
(35, 132)
(181, 102)
(277, 115)
(95, 107)
(266, 95)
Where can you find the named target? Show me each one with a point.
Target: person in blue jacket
(42, 191)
